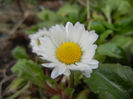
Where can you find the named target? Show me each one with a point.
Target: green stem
(71, 82)
(109, 18)
(107, 13)
(41, 93)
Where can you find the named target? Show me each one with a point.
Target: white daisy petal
(55, 73)
(86, 69)
(87, 74)
(93, 64)
(58, 70)
(47, 47)
(82, 66)
(92, 36)
(58, 34)
(69, 27)
(77, 32)
(73, 67)
(49, 65)
(62, 69)
(89, 52)
(67, 72)
(35, 43)
(87, 38)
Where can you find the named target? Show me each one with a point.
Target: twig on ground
(88, 13)
(72, 1)
(3, 81)
(14, 29)
(26, 14)
(19, 91)
(6, 79)
(19, 5)
(4, 30)
(81, 2)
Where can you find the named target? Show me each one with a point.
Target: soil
(15, 17)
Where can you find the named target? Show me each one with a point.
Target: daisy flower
(35, 42)
(68, 48)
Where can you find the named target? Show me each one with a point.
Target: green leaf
(122, 41)
(126, 43)
(17, 83)
(97, 26)
(56, 97)
(77, 77)
(107, 12)
(97, 16)
(111, 50)
(52, 82)
(124, 25)
(19, 92)
(47, 15)
(69, 92)
(31, 30)
(111, 8)
(122, 9)
(104, 35)
(72, 17)
(112, 81)
(20, 53)
(67, 9)
(30, 71)
(47, 24)
(83, 94)
(69, 13)
(99, 57)
(131, 2)
(108, 25)
(49, 18)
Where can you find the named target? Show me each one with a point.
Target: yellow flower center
(38, 42)
(69, 53)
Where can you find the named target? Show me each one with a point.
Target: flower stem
(71, 82)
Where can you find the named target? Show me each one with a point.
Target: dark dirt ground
(14, 18)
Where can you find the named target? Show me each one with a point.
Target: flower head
(35, 42)
(67, 48)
